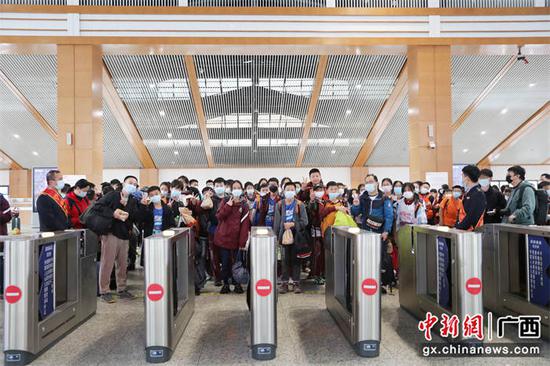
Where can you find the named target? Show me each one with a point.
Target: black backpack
(541, 204)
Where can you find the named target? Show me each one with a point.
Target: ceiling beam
(315, 93)
(125, 121)
(472, 107)
(529, 125)
(196, 96)
(386, 114)
(5, 158)
(28, 105)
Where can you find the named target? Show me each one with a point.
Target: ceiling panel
(155, 91)
(533, 148)
(255, 106)
(519, 94)
(354, 90)
(22, 137)
(36, 78)
(393, 146)
(470, 75)
(117, 151)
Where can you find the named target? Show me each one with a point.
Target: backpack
(94, 221)
(541, 204)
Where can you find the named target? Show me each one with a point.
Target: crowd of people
(300, 214)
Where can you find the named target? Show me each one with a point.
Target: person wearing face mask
(78, 202)
(228, 185)
(290, 214)
(424, 195)
(313, 208)
(520, 208)
(165, 192)
(210, 183)
(495, 199)
(262, 204)
(376, 209)
(210, 221)
(335, 203)
(250, 193)
(125, 212)
(387, 186)
(53, 210)
(410, 210)
(159, 216)
(361, 188)
(397, 190)
(450, 207)
(306, 191)
(232, 232)
(473, 202)
(267, 210)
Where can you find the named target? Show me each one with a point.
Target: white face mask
(341, 190)
(263, 194)
(424, 190)
(319, 194)
(250, 192)
(408, 195)
(386, 189)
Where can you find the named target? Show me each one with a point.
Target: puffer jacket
(378, 206)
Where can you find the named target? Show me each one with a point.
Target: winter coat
(233, 225)
(77, 206)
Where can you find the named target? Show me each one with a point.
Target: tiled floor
(219, 334)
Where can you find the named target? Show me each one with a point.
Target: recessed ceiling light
(151, 85)
(483, 132)
(348, 111)
(162, 113)
(169, 134)
(333, 152)
(358, 86)
(201, 70)
(16, 136)
(35, 153)
(176, 152)
(339, 134)
(504, 111)
(532, 85)
(465, 150)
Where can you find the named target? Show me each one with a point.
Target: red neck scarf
(56, 197)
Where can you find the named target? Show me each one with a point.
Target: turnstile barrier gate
(263, 293)
(50, 289)
(169, 290)
(440, 271)
(352, 288)
(516, 271)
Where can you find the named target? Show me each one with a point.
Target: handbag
(374, 222)
(94, 221)
(343, 219)
(239, 269)
(207, 203)
(288, 237)
(302, 245)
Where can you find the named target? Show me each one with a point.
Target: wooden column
(358, 175)
(429, 89)
(148, 177)
(80, 111)
(20, 183)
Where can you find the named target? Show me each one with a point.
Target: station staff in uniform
(53, 210)
(474, 203)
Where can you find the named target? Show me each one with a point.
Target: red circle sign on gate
(12, 294)
(155, 292)
(263, 287)
(473, 285)
(369, 286)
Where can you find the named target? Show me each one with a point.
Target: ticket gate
(50, 289)
(516, 271)
(440, 271)
(169, 290)
(352, 288)
(263, 294)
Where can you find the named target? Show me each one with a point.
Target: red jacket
(77, 206)
(233, 227)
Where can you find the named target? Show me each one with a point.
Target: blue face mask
(484, 182)
(398, 190)
(370, 187)
(237, 192)
(81, 194)
(457, 195)
(333, 195)
(219, 190)
(155, 198)
(289, 194)
(175, 194)
(129, 188)
(60, 184)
